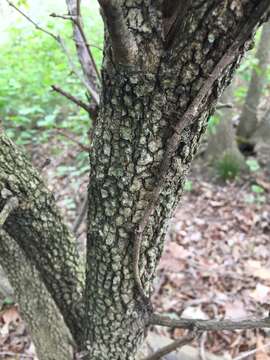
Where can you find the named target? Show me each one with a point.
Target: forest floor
(216, 262)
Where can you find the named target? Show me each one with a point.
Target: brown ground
(216, 261)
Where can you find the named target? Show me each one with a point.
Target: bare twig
(61, 42)
(10, 205)
(72, 98)
(173, 346)
(188, 117)
(14, 355)
(37, 26)
(224, 106)
(86, 83)
(81, 215)
(45, 163)
(71, 138)
(251, 352)
(84, 53)
(202, 341)
(208, 325)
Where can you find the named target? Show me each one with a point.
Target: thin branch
(37, 26)
(202, 341)
(173, 346)
(72, 98)
(208, 325)
(251, 352)
(84, 53)
(69, 137)
(224, 106)
(78, 7)
(87, 84)
(183, 122)
(79, 25)
(10, 205)
(81, 215)
(60, 41)
(17, 355)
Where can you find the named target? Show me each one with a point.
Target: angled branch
(84, 53)
(37, 227)
(92, 110)
(36, 25)
(208, 325)
(10, 205)
(187, 119)
(175, 345)
(71, 138)
(46, 324)
(81, 215)
(61, 42)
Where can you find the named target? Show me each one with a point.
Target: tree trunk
(222, 144)
(137, 152)
(164, 69)
(249, 119)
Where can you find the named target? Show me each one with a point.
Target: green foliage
(253, 165)
(257, 196)
(188, 185)
(213, 121)
(31, 61)
(228, 167)
(257, 189)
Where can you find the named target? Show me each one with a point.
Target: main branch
(37, 227)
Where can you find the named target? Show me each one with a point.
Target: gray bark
(145, 91)
(162, 76)
(37, 227)
(47, 327)
(249, 117)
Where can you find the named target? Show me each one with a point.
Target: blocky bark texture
(164, 61)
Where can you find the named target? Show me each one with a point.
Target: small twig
(251, 352)
(173, 346)
(13, 354)
(80, 39)
(64, 17)
(78, 7)
(86, 83)
(208, 325)
(45, 163)
(11, 204)
(77, 22)
(81, 215)
(37, 26)
(224, 106)
(69, 137)
(61, 42)
(202, 341)
(72, 98)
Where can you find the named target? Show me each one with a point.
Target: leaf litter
(215, 264)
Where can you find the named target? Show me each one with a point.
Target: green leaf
(253, 165)
(257, 189)
(188, 185)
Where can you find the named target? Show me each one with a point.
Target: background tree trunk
(249, 117)
(222, 143)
